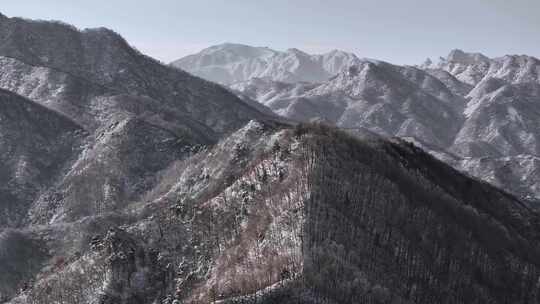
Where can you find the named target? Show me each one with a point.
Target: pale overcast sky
(399, 31)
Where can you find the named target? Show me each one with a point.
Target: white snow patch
(514, 115)
(472, 106)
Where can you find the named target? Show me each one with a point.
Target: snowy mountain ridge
(471, 68)
(484, 111)
(230, 63)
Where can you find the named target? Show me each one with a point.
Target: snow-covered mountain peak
(471, 68)
(337, 54)
(235, 63)
(482, 112)
(297, 52)
(518, 59)
(225, 54)
(240, 50)
(459, 56)
(352, 79)
(337, 60)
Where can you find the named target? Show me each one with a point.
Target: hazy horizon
(395, 31)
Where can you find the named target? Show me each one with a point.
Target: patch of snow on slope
(514, 115)
(471, 107)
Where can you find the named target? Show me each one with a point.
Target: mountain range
(231, 63)
(128, 181)
(476, 113)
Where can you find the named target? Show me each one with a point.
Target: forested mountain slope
(128, 181)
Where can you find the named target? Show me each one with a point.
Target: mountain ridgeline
(231, 63)
(128, 181)
(476, 113)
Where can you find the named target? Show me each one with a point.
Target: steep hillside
(502, 119)
(305, 215)
(36, 145)
(396, 194)
(68, 69)
(138, 117)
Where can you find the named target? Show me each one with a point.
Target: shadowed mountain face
(36, 144)
(138, 116)
(127, 181)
